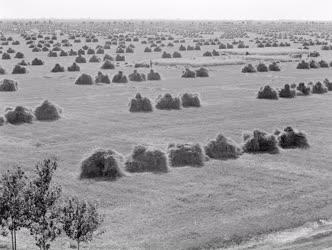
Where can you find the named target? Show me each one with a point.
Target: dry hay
(328, 84)
(140, 104)
(137, 77)
(313, 64)
(84, 79)
(19, 55)
(190, 100)
(47, 111)
(274, 67)
(303, 89)
(223, 148)
(292, 138)
(120, 58)
(167, 102)
(58, 68)
(202, 72)
(166, 55)
(120, 78)
(248, 69)
(108, 57)
(142, 65)
(5, 56)
(18, 115)
(261, 67)
(187, 73)
(80, 59)
(102, 164)
(186, 155)
(176, 54)
(18, 69)
(94, 59)
(107, 65)
(260, 142)
(7, 85)
(73, 67)
(303, 65)
(145, 159)
(267, 93)
(101, 78)
(23, 63)
(319, 88)
(287, 92)
(323, 64)
(37, 61)
(153, 76)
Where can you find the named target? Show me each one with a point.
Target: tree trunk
(15, 239)
(12, 237)
(78, 245)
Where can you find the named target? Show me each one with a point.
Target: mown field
(218, 205)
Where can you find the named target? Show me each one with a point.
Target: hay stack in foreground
(145, 159)
(102, 164)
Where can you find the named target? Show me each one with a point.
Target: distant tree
(80, 219)
(13, 211)
(45, 225)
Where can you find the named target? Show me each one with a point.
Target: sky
(169, 9)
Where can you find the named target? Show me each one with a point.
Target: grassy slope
(189, 207)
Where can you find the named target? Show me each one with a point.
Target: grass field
(218, 205)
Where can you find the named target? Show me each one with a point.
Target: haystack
(47, 111)
(261, 67)
(19, 115)
(167, 102)
(101, 78)
(267, 93)
(248, 69)
(292, 138)
(73, 67)
(80, 59)
(137, 77)
(274, 67)
(328, 84)
(319, 88)
(140, 104)
(303, 89)
(84, 79)
(18, 69)
(187, 73)
(287, 92)
(185, 155)
(190, 100)
(145, 159)
(202, 72)
(7, 85)
(260, 142)
(222, 148)
(153, 76)
(58, 68)
(37, 61)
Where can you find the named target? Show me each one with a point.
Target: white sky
(169, 9)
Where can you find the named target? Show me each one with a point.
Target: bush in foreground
(167, 102)
(8, 85)
(292, 138)
(260, 142)
(140, 104)
(185, 155)
(19, 115)
(267, 93)
(145, 159)
(47, 111)
(102, 164)
(222, 148)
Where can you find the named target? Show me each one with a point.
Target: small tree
(80, 220)
(45, 224)
(13, 212)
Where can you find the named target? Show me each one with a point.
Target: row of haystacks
(261, 67)
(312, 64)
(120, 77)
(290, 91)
(46, 111)
(112, 165)
(164, 102)
(201, 72)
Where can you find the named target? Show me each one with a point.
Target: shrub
(18, 69)
(119, 78)
(260, 142)
(37, 61)
(58, 68)
(167, 102)
(267, 93)
(248, 69)
(101, 78)
(80, 59)
(18, 115)
(47, 111)
(73, 67)
(319, 88)
(202, 72)
(303, 89)
(190, 100)
(102, 164)
(287, 92)
(185, 155)
(153, 76)
(140, 104)
(187, 73)
(292, 138)
(7, 85)
(328, 84)
(145, 159)
(303, 65)
(261, 67)
(84, 79)
(137, 77)
(94, 59)
(222, 148)
(107, 65)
